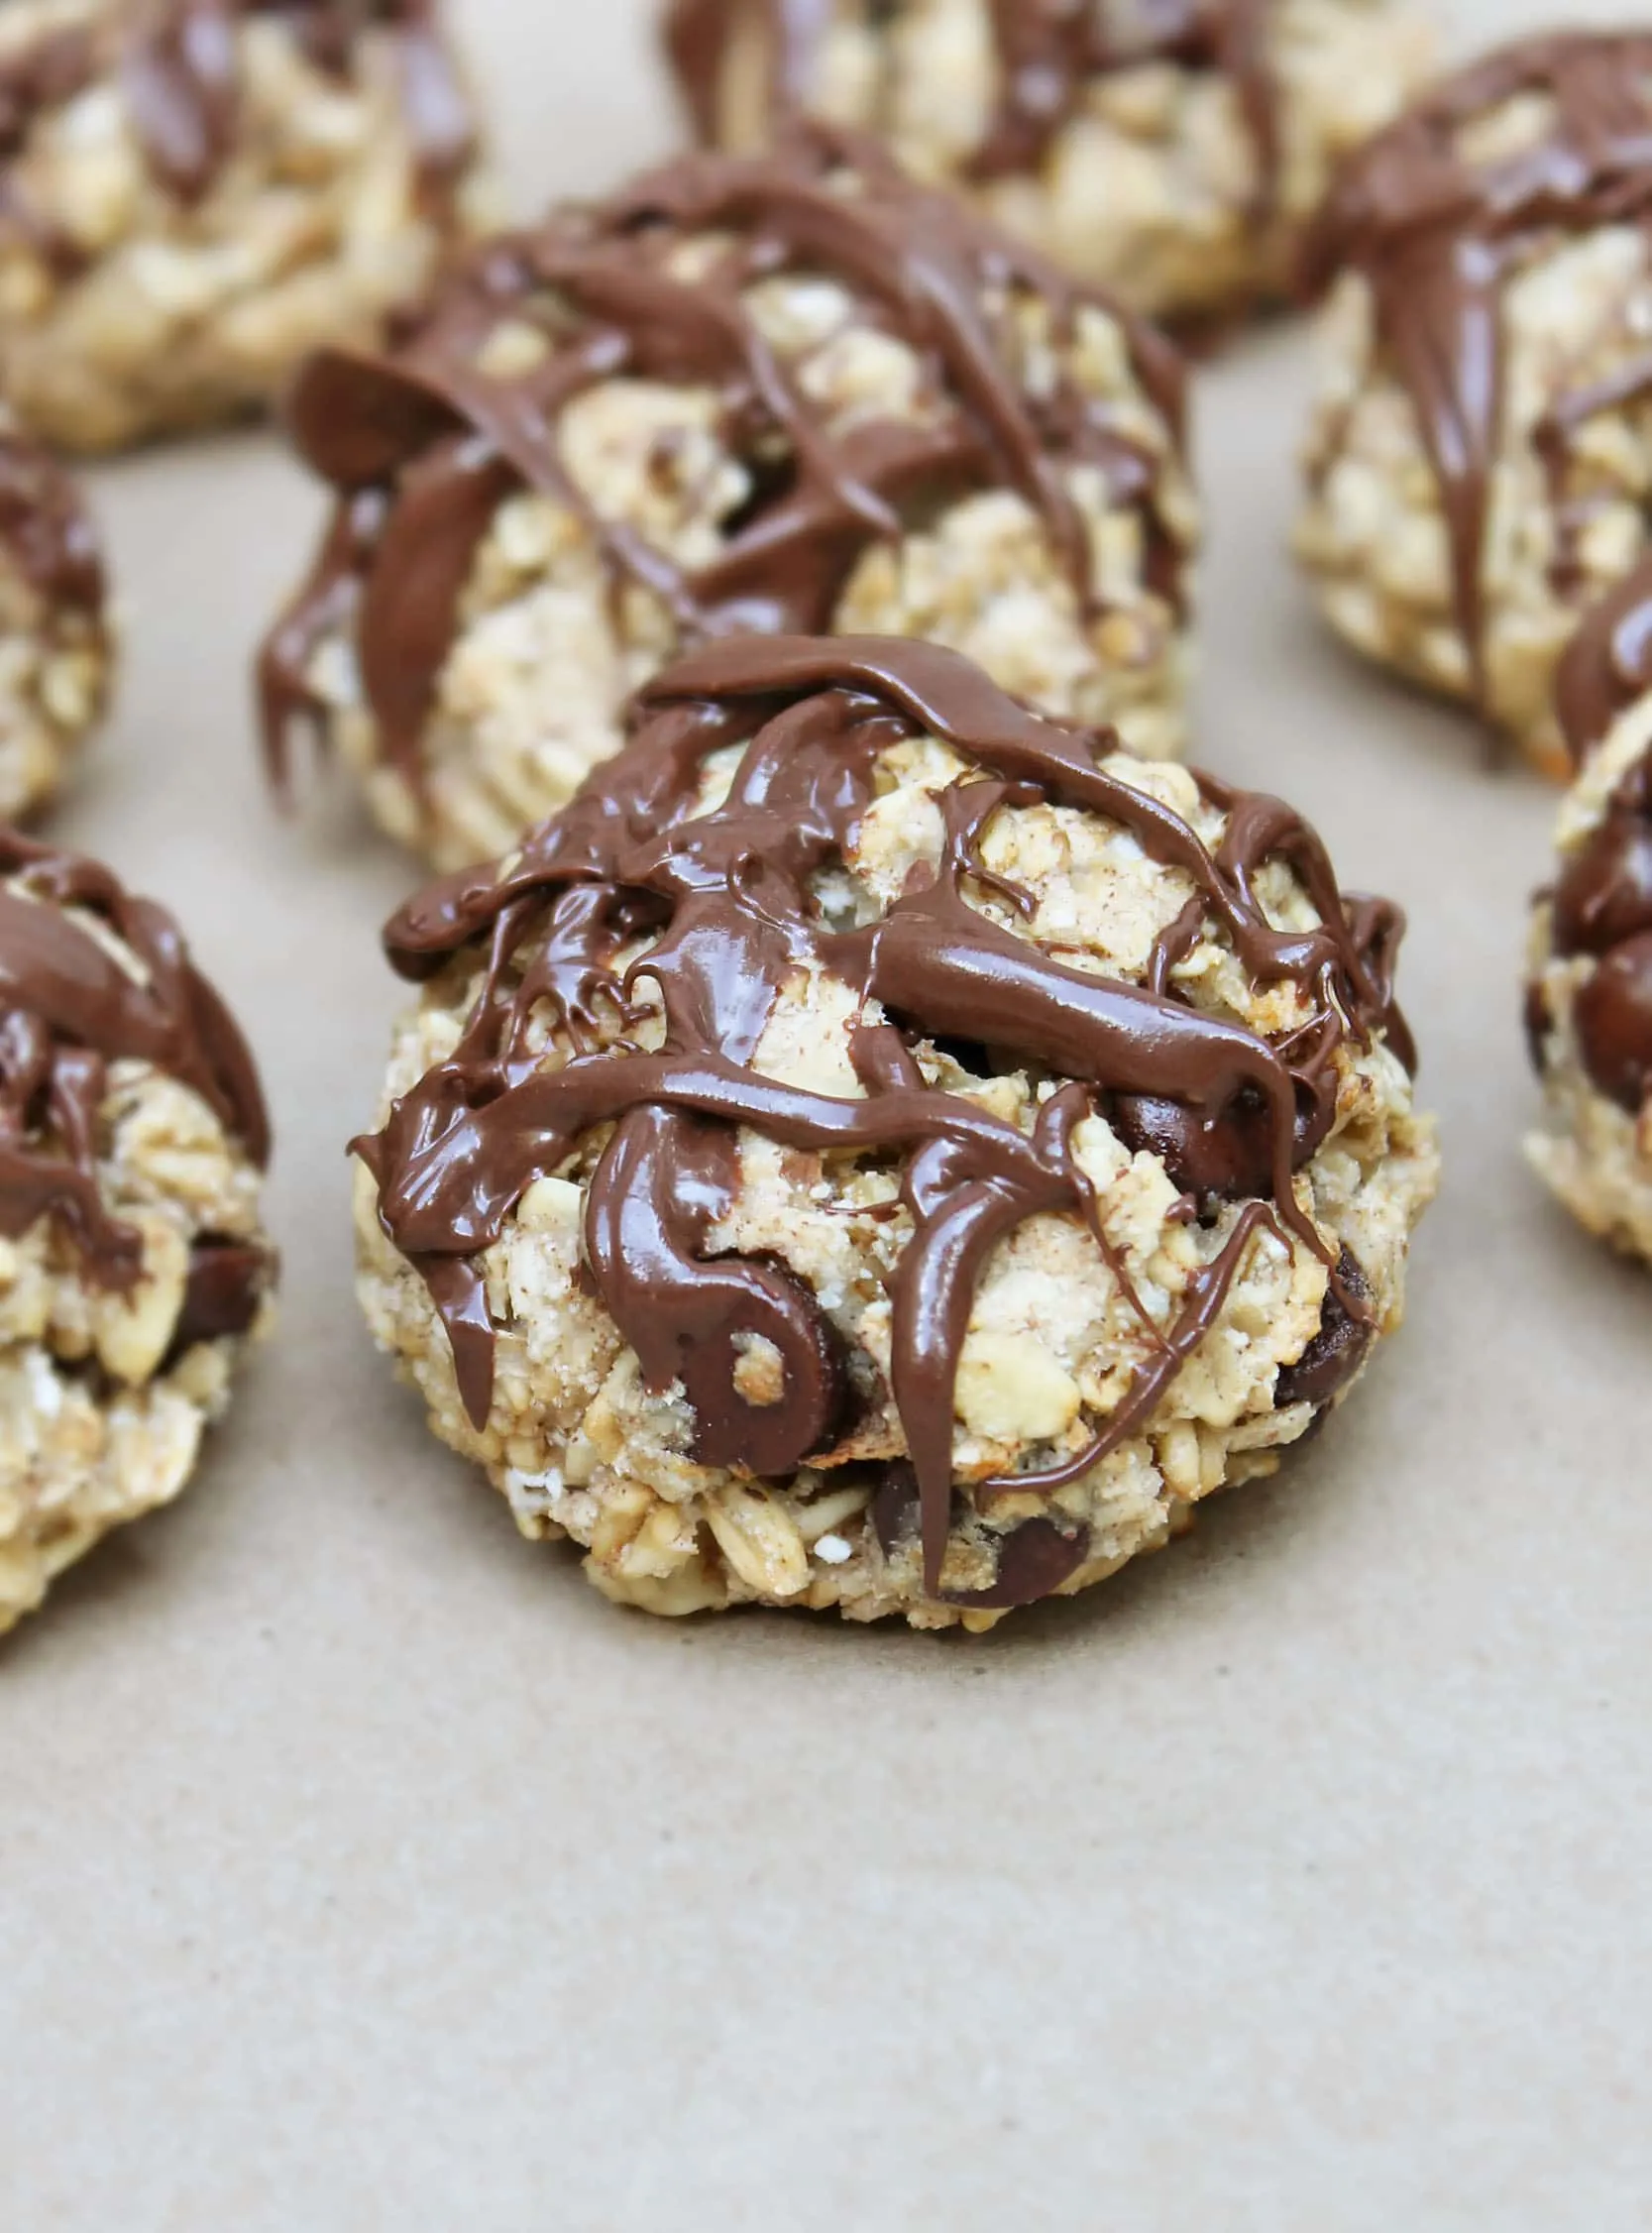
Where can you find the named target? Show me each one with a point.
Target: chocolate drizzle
(179, 70)
(726, 899)
(68, 1009)
(423, 445)
(1437, 236)
(1601, 907)
(1048, 53)
(48, 530)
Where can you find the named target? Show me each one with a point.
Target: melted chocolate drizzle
(726, 898)
(1601, 905)
(1436, 235)
(68, 1009)
(1050, 52)
(48, 530)
(425, 444)
(179, 70)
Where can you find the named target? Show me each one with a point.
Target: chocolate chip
(895, 1513)
(1337, 1351)
(228, 1281)
(1613, 1016)
(1605, 895)
(1033, 1563)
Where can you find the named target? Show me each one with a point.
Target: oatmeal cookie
(55, 644)
(789, 393)
(1588, 993)
(1482, 449)
(1173, 152)
(132, 1266)
(193, 194)
(878, 1149)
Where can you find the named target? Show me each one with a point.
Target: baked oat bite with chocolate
(795, 392)
(1588, 993)
(877, 1148)
(133, 1269)
(54, 643)
(1172, 150)
(1482, 449)
(194, 193)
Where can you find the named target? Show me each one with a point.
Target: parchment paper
(361, 1868)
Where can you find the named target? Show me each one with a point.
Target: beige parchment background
(360, 1868)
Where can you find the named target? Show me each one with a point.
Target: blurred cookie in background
(787, 391)
(1172, 150)
(55, 648)
(1481, 446)
(193, 194)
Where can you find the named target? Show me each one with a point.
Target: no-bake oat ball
(1588, 997)
(55, 647)
(1172, 150)
(193, 194)
(132, 1266)
(1482, 451)
(789, 393)
(879, 1149)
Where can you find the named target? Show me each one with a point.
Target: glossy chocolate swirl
(46, 529)
(179, 70)
(725, 900)
(68, 1009)
(1437, 236)
(423, 445)
(1048, 53)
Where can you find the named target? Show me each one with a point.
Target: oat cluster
(1481, 448)
(1065, 1317)
(655, 470)
(127, 1302)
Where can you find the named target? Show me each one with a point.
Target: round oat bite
(193, 194)
(879, 1149)
(54, 643)
(1172, 150)
(1588, 995)
(132, 1266)
(795, 392)
(1482, 448)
